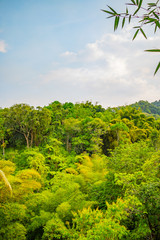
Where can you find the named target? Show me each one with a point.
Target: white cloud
(113, 71)
(3, 46)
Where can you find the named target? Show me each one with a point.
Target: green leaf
(130, 18)
(110, 16)
(153, 10)
(116, 22)
(112, 9)
(136, 11)
(157, 68)
(133, 2)
(140, 3)
(130, 4)
(143, 33)
(137, 2)
(157, 24)
(151, 4)
(155, 29)
(111, 13)
(126, 10)
(153, 50)
(135, 34)
(123, 22)
(155, 15)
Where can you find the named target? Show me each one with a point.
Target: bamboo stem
(6, 181)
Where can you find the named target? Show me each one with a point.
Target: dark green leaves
(116, 22)
(157, 68)
(149, 15)
(113, 11)
(143, 33)
(155, 50)
(135, 35)
(139, 4)
(133, 2)
(123, 22)
(139, 30)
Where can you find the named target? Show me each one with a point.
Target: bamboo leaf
(123, 22)
(157, 24)
(153, 50)
(110, 16)
(130, 18)
(135, 34)
(126, 10)
(111, 13)
(155, 15)
(157, 68)
(112, 9)
(140, 3)
(151, 4)
(136, 11)
(143, 33)
(133, 2)
(130, 4)
(151, 11)
(155, 29)
(116, 22)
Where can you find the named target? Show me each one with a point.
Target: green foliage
(90, 174)
(13, 231)
(12, 217)
(144, 15)
(55, 229)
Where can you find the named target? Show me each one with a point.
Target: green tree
(20, 118)
(71, 127)
(12, 219)
(145, 15)
(30, 123)
(3, 131)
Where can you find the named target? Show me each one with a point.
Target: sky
(67, 51)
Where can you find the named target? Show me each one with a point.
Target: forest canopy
(80, 171)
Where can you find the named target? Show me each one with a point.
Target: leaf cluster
(145, 15)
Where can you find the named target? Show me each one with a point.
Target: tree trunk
(27, 139)
(3, 145)
(67, 143)
(31, 139)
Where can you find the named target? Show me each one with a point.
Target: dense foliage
(79, 171)
(152, 108)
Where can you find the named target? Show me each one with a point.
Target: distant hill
(156, 103)
(149, 108)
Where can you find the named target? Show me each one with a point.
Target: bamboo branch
(2, 175)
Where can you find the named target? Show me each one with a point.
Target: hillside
(79, 171)
(146, 107)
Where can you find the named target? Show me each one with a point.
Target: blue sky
(66, 50)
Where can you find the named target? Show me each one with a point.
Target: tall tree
(31, 123)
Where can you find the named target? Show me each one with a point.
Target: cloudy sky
(66, 50)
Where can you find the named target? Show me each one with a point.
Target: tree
(145, 14)
(3, 131)
(71, 127)
(20, 118)
(32, 124)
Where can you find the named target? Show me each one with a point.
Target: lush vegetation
(79, 171)
(152, 108)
